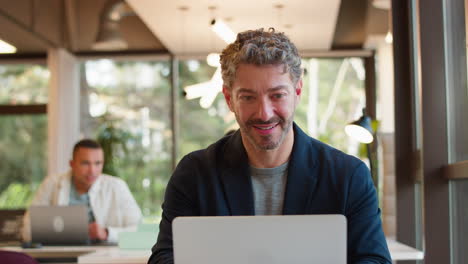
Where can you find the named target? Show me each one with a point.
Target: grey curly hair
(260, 47)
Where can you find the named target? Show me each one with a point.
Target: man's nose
(94, 168)
(265, 110)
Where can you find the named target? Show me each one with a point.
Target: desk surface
(400, 251)
(116, 255)
(113, 254)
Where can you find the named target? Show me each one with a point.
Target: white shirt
(111, 201)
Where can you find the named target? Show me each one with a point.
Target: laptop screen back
(260, 239)
(59, 225)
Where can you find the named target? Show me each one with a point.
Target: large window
(200, 125)
(458, 152)
(127, 108)
(333, 96)
(23, 132)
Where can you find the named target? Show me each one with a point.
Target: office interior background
(134, 75)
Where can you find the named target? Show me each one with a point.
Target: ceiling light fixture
(223, 31)
(279, 7)
(207, 91)
(213, 59)
(6, 47)
(389, 36)
(183, 14)
(109, 35)
(382, 4)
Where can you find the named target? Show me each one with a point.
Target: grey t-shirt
(83, 199)
(268, 188)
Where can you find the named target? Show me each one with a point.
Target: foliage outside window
(128, 110)
(23, 84)
(23, 138)
(334, 90)
(200, 127)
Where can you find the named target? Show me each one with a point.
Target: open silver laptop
(59, 225)
(260, 239)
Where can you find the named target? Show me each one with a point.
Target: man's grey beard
(272, 145)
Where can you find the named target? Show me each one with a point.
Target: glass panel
(128, 111)
(457, 93)
(333, 95)
(23, 143)
(466, 35)
(417, 131)
(333, 91)
(201, 126)
(459, 216)
(23, 84)
(458, 149)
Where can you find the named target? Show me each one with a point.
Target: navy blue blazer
(321, 180)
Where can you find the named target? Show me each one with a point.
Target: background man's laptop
(260, 239)
(59, 225)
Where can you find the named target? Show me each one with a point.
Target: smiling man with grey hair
(270, 166)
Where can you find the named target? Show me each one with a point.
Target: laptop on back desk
(260, 239)
(59, 225)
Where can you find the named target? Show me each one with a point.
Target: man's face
(86, 166)
(263, 99)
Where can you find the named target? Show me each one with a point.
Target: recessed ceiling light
(6, 47)
(382, 4)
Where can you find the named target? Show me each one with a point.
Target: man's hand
(97, 232)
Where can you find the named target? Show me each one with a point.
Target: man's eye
(246, 98)
(278, 96)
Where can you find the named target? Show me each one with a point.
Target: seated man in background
(111, 206)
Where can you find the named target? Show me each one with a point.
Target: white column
(63, 109)
(385, 90)
(312, 102)
(385, 109)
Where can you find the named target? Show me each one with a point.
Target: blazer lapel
(235, 177)
(302, 176)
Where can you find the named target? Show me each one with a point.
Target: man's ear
(299, 87)
(227, 96)
(298, 90)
